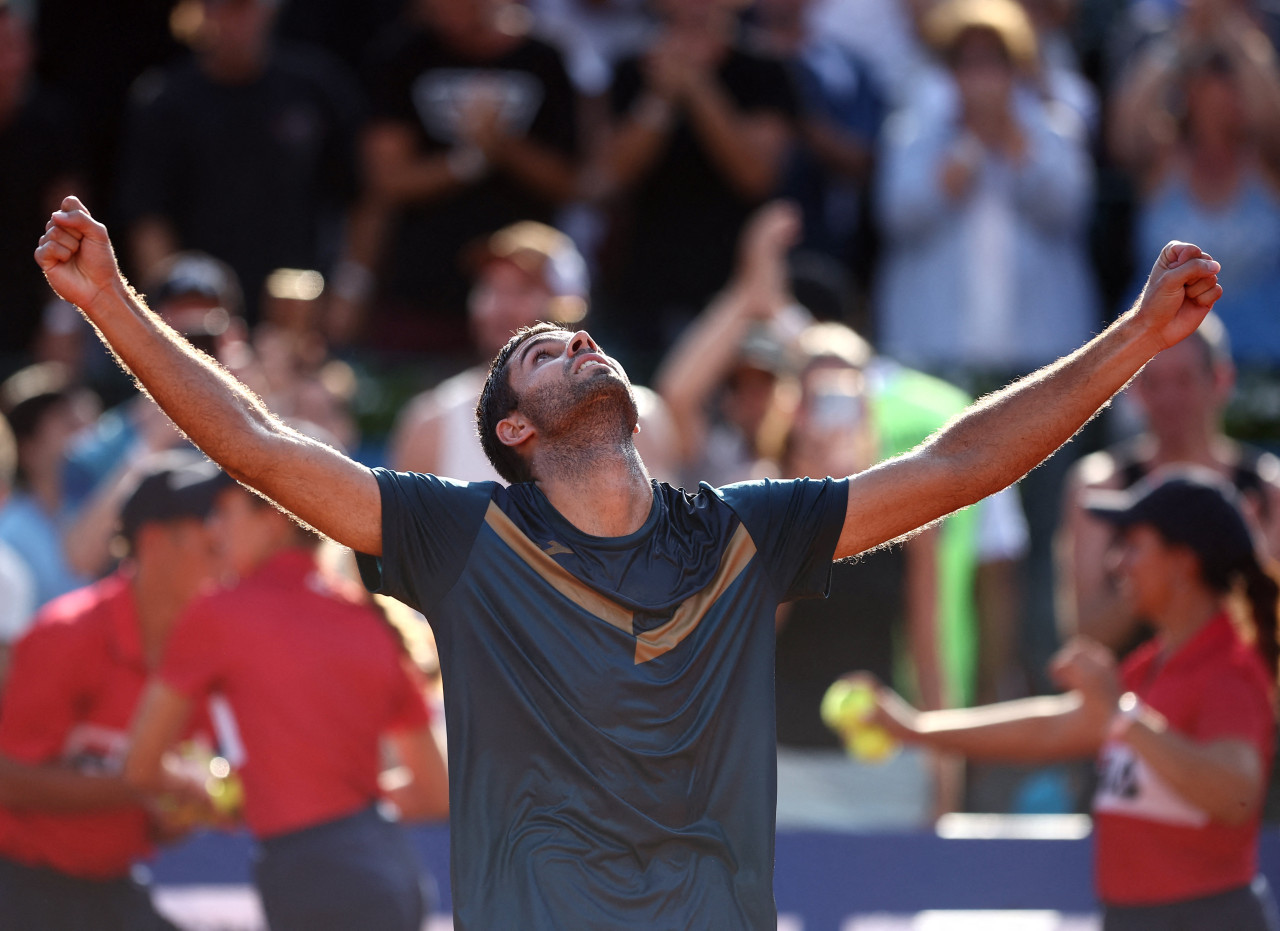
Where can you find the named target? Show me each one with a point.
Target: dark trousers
(40, 899)
(1249, 908)
(356, 872)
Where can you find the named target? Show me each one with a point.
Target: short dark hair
(498, 399)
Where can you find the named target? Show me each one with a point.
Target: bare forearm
(699, 361)
(1224, 779)
(634, 147)
(749, 160)
(218, 413)
(1029, 730)
(1030, 419)
(547, 174)
(56, 788)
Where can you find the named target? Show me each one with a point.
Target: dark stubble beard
(580, 418)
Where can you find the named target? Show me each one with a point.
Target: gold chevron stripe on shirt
(649, 644)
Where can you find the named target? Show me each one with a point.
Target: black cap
(1192, 507)
(179, 486)
(196, 275)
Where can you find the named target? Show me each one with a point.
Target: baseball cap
(197, 275)
(179, 485)
(546, 254)
(1190, 506)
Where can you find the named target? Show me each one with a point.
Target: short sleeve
(428, 526)
(409, 708)
(795, 526)
(192, 659)
(1235, 706)
(43, 691)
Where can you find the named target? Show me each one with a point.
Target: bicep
(895, 498)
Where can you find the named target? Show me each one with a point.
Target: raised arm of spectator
(1003, 436)
(1255, 65)
(327, 490)
(704, 355)
(1140, 130)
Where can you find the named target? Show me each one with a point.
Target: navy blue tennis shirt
(609, 701)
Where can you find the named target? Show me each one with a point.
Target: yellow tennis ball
(848, 704)
(871, 744)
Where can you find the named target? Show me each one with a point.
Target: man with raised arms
(607, 641)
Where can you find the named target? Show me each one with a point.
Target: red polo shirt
(75, 680)
(314, 678)
(1153, 846)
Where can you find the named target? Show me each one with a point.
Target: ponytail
(1262, 592)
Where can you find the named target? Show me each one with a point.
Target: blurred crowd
(814, 229)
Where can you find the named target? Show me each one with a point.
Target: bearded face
(590, 400)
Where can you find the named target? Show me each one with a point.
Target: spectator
(719, 379)
(44, 412)
(841, 111)
(246, 151)
(1181, 394)
(17, 586)
(978, 210)
(474, 128)
(523, 273)
(70, 828)
(881, 613)
(38, 167)
(700, 133)
(1183, 752)
(1196, 122)
(315, 679)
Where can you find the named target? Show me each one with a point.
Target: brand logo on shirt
(555, 549)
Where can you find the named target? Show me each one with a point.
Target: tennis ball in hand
(848, 704)
(847, 708)
(871, 744)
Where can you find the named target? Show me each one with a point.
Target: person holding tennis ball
(1182, 730)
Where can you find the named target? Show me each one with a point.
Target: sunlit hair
(498, 399)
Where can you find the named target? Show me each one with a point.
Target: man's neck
(605, 493)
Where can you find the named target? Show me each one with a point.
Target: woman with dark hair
(1183, 730)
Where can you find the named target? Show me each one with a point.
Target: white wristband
(1128, 710)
